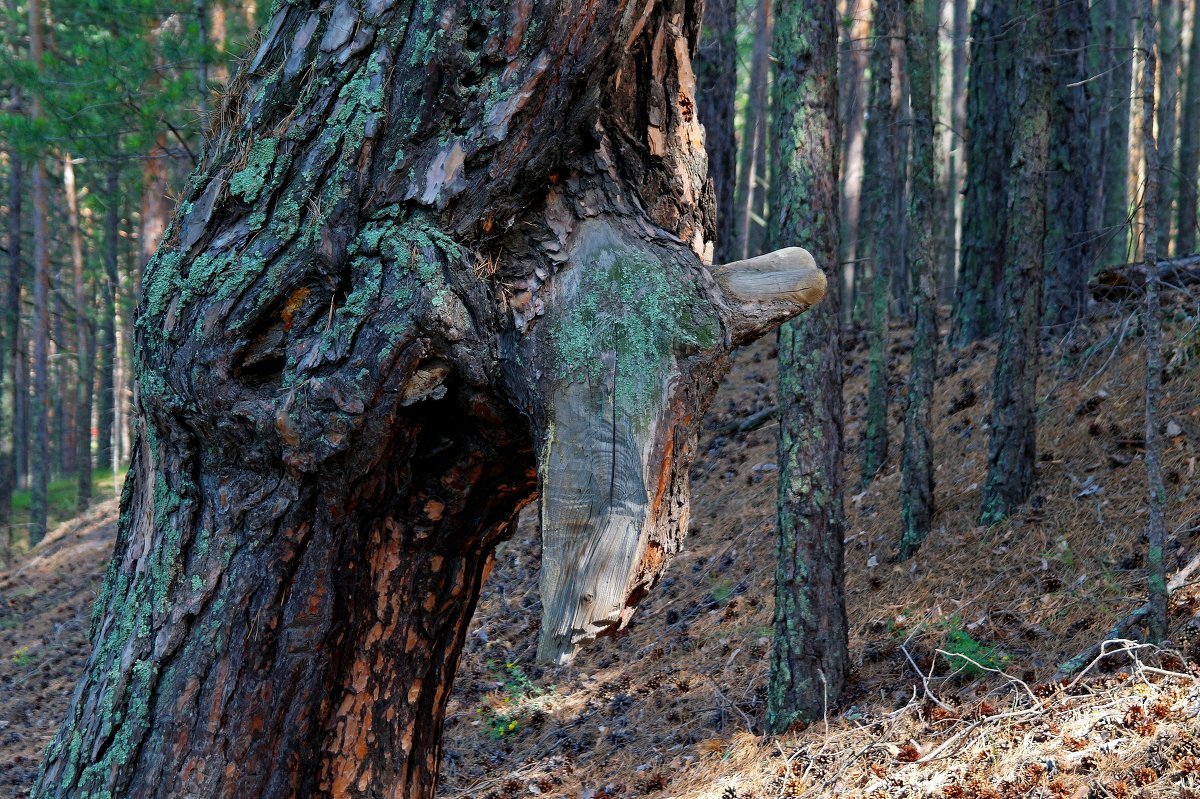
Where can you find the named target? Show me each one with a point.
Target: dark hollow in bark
(436, 258)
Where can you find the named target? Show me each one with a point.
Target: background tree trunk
(1012, 445)
(954, 163)
(1189, 147)
(367, 315)
(12, 327)
(1170, 48)
(809, 660)
(40, 451)
(1157, 493)
(754, 123)
(1115, 247)
(716, 85)
(882, 176)
(109, 293)
(84, 354)
(989, 149)
(916, 477)
(1069, 250)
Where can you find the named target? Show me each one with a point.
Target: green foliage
(966, 654)
(23, 657)
(508, 709)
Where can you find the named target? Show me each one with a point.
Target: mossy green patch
(627, 305)
(249, 181)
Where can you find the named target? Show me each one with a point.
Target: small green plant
(517, 699)
(966, 654)
(23, 657)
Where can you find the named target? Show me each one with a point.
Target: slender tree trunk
(716, 86)
(954, 164)
(375, 328)
(1170, 47)
(39, 452)
(883, 177)
(12, 330)
(84, 353)
(1012, 446)
(989, 149)
(762, 172)
(1117, 208)
(810, 660)
(1156, 527)
(1189, 147)
(109, 288)
(916, 477)
(1069, 254)
(753, 124)
(851, 71)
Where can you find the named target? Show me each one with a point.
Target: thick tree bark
(989, 151)
(916, 476)
(1189, 147)
(1156, 576)
(40, 455)
(716, 85)
(109, 289)
(883, 178)
(1012, 445)
(1069, 250)
(436, 260)
(809, 661)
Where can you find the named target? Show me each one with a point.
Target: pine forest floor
(951, 651)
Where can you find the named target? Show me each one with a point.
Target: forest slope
(666, 709)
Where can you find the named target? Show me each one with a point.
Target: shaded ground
(672, 707)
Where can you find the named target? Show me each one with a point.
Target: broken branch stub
(768, 289)
(638, 337)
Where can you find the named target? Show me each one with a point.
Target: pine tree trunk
(954, 164)
(84, 353)
(418, 278)
(1170, 47)
(716, 85)
(109, 288)
(1116, 240)
(1069, 250)
(754, 122)
(809, 661)
(882, 177)
(1189, 147)
(40, 450)
(916, 477)
(11, 333)
(989, 150)
(1156, 490)
(1012, 446)
(851, 71)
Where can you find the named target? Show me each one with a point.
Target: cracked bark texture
(1012, 443)
(809, 658)
(434, 251)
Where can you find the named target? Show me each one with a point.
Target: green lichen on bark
(249, 181)
(627, 309)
